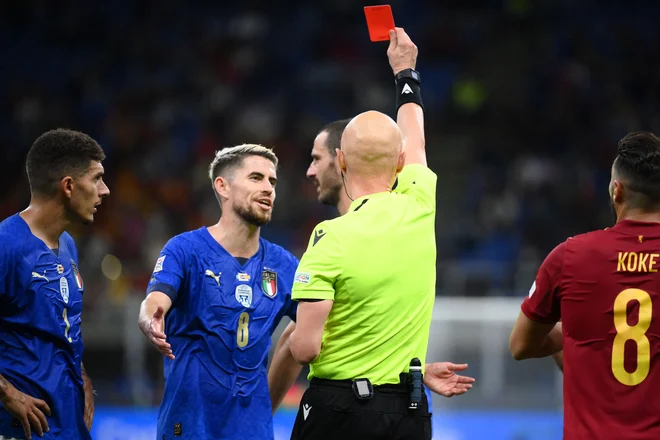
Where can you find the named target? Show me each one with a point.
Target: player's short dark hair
(57, 154)
(335, 130)
(638, 164)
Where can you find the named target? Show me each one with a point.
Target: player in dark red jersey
(605, 288)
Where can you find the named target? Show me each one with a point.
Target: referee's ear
(401, 163)
(341, 160)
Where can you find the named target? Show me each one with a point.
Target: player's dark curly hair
(57, 154)
(638, 164)
(335, 130)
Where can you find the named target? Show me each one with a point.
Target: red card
(379, 21)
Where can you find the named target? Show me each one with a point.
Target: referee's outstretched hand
(156, 333)
(441, 378)
(402, 52)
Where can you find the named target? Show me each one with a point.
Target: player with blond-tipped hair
(215, 297)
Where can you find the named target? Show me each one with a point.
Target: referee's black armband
(407, 88)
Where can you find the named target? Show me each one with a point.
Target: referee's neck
(343, 204)
(362, 188)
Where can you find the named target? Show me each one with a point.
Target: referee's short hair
(335, 130)
(228, 159)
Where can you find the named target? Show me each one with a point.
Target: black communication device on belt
(363, 389)
(415, 381)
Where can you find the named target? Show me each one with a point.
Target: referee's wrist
(407, 84)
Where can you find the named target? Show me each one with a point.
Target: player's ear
(341, 160)
(222, 187)
(617, 192)
(66, 185)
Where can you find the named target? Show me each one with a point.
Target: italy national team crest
(76, 274)
(269, 282)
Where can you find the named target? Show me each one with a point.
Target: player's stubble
(252, 215)
(330, 186)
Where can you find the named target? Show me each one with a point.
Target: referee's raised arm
(402, 54)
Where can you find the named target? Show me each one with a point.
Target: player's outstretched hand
(441, 378)
(156, 333)
(29, 411)
(402, 52)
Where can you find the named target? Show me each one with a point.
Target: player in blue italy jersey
(215, 297)
(43, 386)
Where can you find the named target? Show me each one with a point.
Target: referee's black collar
(359, 202)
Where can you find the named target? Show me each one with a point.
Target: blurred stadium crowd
(525, 101)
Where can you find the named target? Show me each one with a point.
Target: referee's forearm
(410, 119)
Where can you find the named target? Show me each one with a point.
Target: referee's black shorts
(330, 410)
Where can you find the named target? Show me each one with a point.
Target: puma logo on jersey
(213, 275)
(36, 275)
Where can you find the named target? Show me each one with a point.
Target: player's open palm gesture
(156, 333)
(29, 411)
(441, 378)
(402, 52)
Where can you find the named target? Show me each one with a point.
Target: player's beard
(251, 215)
(330, 195)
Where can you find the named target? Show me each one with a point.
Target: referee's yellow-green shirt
(377, 263)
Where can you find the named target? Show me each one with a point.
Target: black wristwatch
(408, 73)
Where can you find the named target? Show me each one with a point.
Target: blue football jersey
(41, 346)
(220, 326)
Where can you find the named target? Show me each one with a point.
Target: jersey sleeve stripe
(165, 288)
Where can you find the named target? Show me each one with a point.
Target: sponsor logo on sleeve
(302, 278)
(159, 264)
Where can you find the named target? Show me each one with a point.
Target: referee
(366, 283)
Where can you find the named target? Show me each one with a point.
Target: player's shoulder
(9, 246)
(14, 225)
(587, 239)
(581, 246)
(187, 242)
(68, 241)
(13, 234)
(275, 252)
